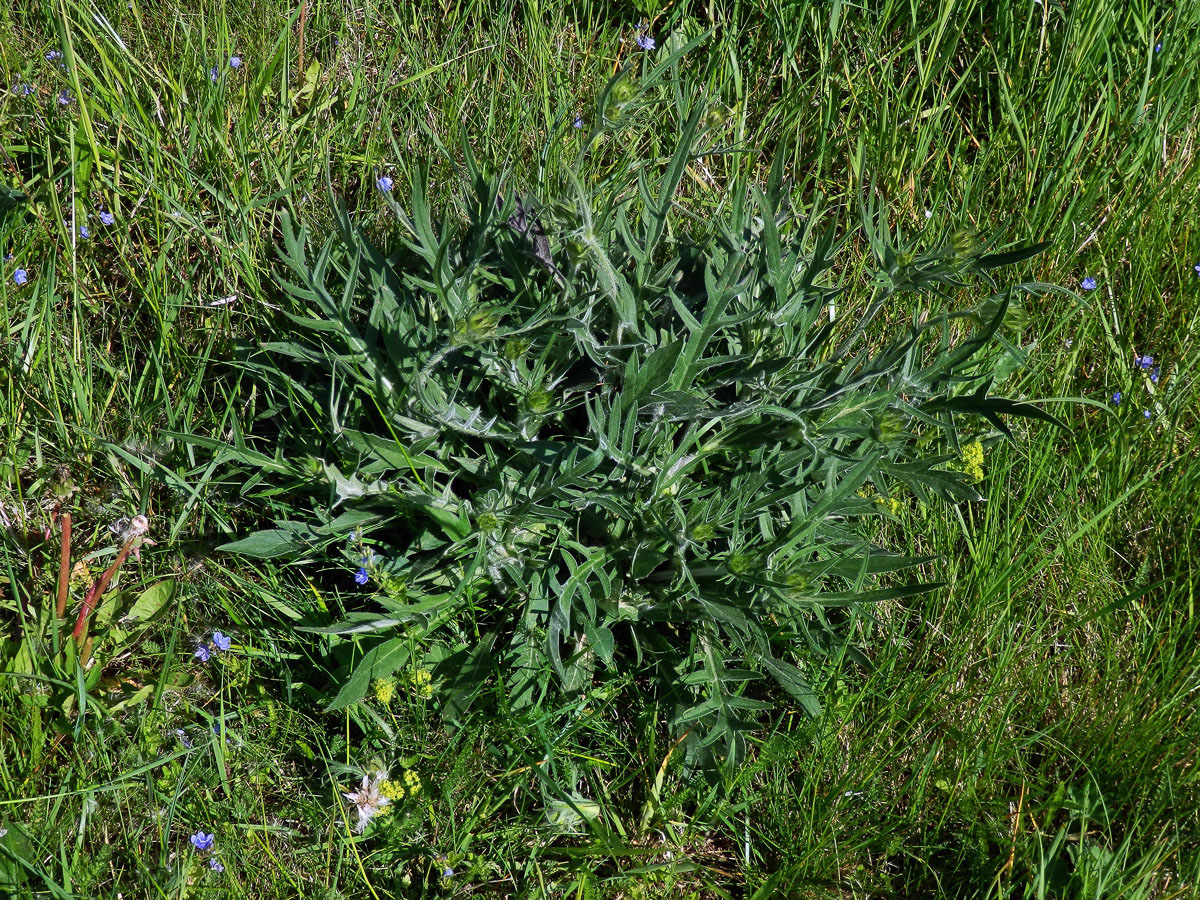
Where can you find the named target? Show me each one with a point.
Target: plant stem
(92, 600)
(64, 566)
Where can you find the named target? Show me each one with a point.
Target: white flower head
(368, 800)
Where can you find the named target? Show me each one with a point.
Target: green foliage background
(1024, 732)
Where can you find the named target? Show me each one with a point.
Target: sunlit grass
(1028, 732)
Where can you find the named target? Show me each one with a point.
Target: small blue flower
(384, 183)
(202, 653)
(578, 123)
(64, 97)
(220, 641)
(1144, 361)
(215, 865)
(1088, 284)
(84, 233)
(1154, 375)
(235, 62)
(447, 872)
(203, 842)
(20, 276)
(213, 73)
(53, 55)
(23, 89)
(1117, 398)
(645, 42)
(106, 218)
(1146, 413)
(361, 576)
(1158, 47)
(1197, 268)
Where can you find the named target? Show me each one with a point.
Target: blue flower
(1154, 375)
(106, 218)
(20, 276)
(384, 183)
(447, 872)
(220, 641)
(235, 62)
(202, 653)
(215, 865)
(361, 576)
(1117, 397)
(23, 89)
(1146, 413)
(213, 73)
(1158, 47)
(203, 842)
(64, 97)
(1088, 284)
(53, 55)
(1144, 361)
(645, 42)
(1197, 268)
(84, 233)
(578, 123)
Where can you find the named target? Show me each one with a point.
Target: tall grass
(1027, 732)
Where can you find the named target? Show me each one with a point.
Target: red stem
(64, 566)
(92, 600)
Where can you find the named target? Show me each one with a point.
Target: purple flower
(447, 872)
(645, 42)
(64, 98)
(235, 62)
(1154, 375)
(384, 183)
(1146, 413)
(84, 233)
(578, 123)
(1117, 398)
(23, 89)
(20, 276)
(202, 653)
(1197, 268)
(53, 55)
(106, 218)
(361, 576)
(1088, 284)
(1144, 361)
(213, 73)
(220, 641)
(203, 842)
(215, 865)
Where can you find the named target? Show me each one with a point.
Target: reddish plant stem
(64, 566)
(92, 600)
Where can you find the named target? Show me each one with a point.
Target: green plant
(634, 448)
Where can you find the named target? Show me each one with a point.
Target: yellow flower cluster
(420, 682)
(891, 504)
(385, 689)
(972, 461)
(407, 785)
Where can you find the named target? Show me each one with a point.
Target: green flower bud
(741, 563)
(887, 426)
(623, 91)
(515, 348)
(964, 242)
(487, 521)
(703, 532)
(539, 401)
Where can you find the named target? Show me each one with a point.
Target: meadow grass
(1028, 731)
